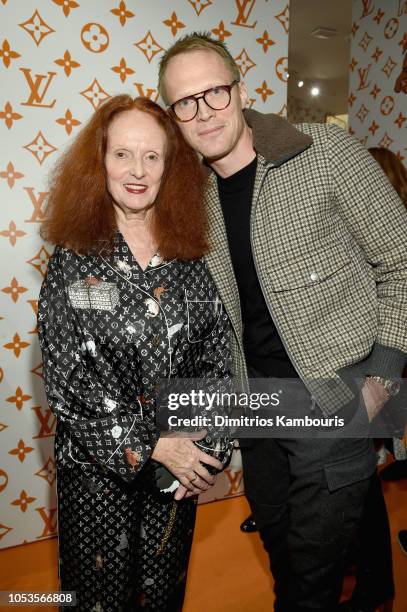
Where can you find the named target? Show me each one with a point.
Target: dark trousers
(122, 546)
(307, 497)
(372, 552)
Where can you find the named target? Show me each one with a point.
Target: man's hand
(183, 459)
(374, 396)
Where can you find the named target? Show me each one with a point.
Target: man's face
(214, 133)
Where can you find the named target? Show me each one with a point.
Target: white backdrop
(58, 60)
(377, 102)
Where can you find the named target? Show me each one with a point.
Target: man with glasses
(217, 98)
(309, 247)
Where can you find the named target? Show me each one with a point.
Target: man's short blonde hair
(197, 41)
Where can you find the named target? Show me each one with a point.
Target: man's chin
(211, 157)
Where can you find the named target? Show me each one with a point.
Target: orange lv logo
(47, 421)
(148, 93)
(244, 8)
(34, 306)
(38, 89)
(363, 74)
(38, 214)
(235, 480)
(49, 516)
(367, 8)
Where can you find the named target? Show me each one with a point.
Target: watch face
(394, 387)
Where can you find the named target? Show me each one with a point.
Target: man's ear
(244, 96)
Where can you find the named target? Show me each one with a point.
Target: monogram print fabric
(109, 331)
(378, 75)
(114, 546)
(59, 60)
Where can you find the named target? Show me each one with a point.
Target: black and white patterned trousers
(122, 547)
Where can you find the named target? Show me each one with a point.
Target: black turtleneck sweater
(264, 351)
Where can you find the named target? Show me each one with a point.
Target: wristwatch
(391, 386)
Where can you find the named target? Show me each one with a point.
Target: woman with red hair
(128, 301)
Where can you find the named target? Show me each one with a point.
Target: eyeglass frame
(196, 97)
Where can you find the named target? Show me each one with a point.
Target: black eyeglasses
(217, 98)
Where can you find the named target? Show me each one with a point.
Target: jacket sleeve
(377, 219)
(216, 363)
(107, 431)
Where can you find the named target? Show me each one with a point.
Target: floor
(228, 568)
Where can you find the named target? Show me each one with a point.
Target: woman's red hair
(80, 213)
(393, 167)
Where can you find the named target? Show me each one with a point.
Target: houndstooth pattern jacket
(329, 241)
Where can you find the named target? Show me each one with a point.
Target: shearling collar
(274, 138)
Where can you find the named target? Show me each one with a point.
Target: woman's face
(134, 161)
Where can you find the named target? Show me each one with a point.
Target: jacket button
(314, 276)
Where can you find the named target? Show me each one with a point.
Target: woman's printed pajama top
(109, 331)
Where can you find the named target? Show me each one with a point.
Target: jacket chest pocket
(326, 300)
(202, 313)
(310, 271)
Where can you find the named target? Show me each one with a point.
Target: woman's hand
(185, 460)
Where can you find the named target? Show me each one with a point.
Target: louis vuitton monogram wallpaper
(59, 59)
(378, 75)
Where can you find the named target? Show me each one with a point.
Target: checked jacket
(329, 242)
